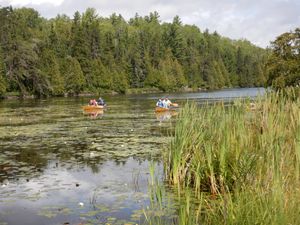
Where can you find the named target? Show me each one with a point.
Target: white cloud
(34, 2)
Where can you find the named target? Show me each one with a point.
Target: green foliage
(50, 67)
(168, 76)
(120, 83)
(113, 54)
(284, 62)
(74, 79)
(173, 37)
(23, 72)
(3, 83)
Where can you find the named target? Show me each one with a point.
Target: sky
(259, 21)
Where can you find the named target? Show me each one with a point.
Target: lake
(59, 165)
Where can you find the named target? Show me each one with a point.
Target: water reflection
(94, 114)
(165, 116)
(53, 157)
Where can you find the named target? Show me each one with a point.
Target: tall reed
(246, 156)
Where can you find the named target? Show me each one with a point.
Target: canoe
(174, 104)
(92, 107)
(94, 113)
(166, 113)
(161, 109)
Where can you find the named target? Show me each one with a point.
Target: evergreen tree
(120, 83)
(79, 44)
(177, 73)
(173, 37)
(56, 80)
(259, 77)
(138, 64)
(171, 73)
(153, 79)
(102, 77)
(60, 36)
(50, 67)
(74, 78)
(53, 42)
(3, 83)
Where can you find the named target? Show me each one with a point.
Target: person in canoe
(93, 102)
(101, 102)
(168, 103)
(159, 103)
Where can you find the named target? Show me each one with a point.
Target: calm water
(59, 165)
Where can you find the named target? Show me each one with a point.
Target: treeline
(90, 53)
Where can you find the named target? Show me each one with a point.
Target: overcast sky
(259, 21)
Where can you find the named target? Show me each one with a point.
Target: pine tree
(79, 40)
(173, 38)
(178, 74)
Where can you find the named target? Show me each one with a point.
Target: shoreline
(131, 91)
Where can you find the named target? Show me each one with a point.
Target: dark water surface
(59, 165)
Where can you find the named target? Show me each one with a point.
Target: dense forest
(90, 53)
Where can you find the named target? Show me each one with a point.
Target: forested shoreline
(92, 54)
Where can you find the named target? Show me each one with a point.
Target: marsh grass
(242, 162)
(167, 205)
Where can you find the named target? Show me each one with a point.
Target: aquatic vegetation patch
(53, 211)
(51, 151)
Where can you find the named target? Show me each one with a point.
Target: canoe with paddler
(95, 105)
(164, 105)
